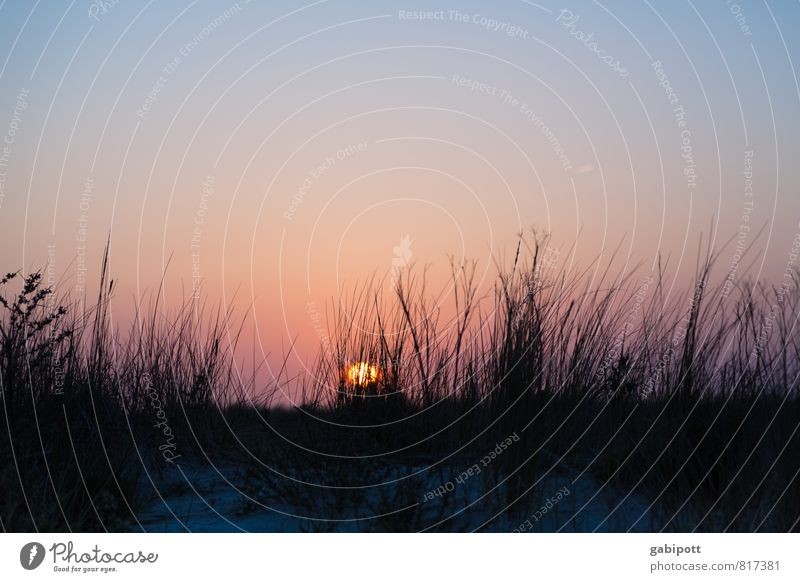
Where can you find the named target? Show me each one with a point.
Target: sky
(269, 156)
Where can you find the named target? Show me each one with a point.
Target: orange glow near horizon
(362, 374)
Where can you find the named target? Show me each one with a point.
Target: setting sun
(362, 374)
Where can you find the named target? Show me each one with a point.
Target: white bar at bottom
(406, 557)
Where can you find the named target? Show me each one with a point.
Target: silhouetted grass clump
(86, 411)
(687, 400)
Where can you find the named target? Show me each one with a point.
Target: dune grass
(686, 400)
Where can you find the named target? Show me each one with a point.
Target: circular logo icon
(31, 555)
